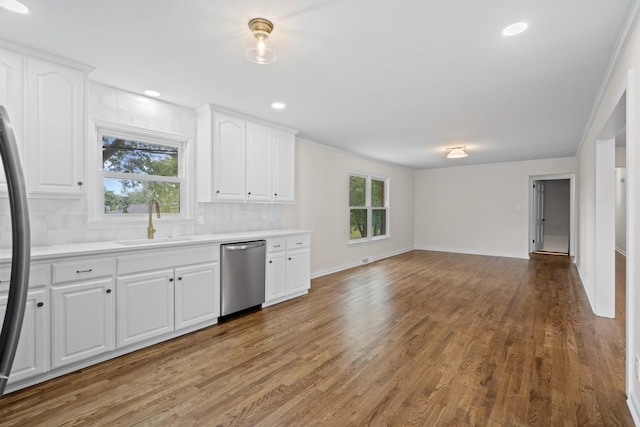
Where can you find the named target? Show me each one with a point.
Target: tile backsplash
(55, 221)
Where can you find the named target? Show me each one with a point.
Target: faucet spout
(150, 230)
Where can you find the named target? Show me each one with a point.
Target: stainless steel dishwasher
(242, 275)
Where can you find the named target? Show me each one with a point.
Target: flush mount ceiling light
(514, 29)
(457, 152)
(278, 105)
(14, 6)
(258, 50)
(153, 93)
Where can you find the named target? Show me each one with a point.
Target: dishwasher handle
(243, 246)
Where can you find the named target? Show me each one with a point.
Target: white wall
(621, 210)
(624, 77)
(322, 205)
(557, 194)
(481, 209)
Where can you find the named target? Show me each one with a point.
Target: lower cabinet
(145, 306)
(288, 268)
(32, 354)
(83, 320)
(197, 294)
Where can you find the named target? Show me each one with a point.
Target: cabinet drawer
(155, 260)
(275, 245)
(82, 269)
(38, 276)
(301, 241)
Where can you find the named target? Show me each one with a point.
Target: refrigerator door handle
(21, 248)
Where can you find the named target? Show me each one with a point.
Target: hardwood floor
(423, 338)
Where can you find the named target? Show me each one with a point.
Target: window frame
(368, 206)
(97, 174)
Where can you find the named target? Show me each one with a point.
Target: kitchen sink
(146, 242)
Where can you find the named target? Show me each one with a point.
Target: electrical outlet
(366, 260)
(637, 367)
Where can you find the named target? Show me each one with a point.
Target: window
(137, 169)
(368, 207)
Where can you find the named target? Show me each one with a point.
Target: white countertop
(97, 248)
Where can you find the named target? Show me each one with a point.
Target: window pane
(127, 156)
(358, 226)
(124, 196)
(357, 190)
(377, 193)
(379, 222)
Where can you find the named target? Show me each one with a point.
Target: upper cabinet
(242, 160)
(45, 99)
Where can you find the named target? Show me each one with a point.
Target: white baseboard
(357, 264)
(634, 407)
(584, 287)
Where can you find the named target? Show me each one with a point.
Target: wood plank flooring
(420, 339)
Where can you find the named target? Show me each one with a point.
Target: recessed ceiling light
(514, 29)
(153, 93)
(14, 6)
(278, 105)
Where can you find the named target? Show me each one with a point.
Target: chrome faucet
(150, 230)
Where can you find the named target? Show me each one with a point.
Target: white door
(276, 276)
(145, 306)
(197, 291)
(30, 357)
(83, 323)
(228, 158)
(258, 151)
(284, 166)
(539, 215)
(56, 129)
(298, 270)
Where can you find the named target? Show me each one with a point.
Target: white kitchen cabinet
(284, 160)
(166, 290)
(288, 268)
(145, 306)
(32, 354)
(12, 98)
(197, 294)
(243, 160)
(258, 162)
(56, 122)
(228, 158)
(83, 320)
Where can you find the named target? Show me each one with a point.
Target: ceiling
(391, 81)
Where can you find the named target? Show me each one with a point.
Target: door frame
(572, 208)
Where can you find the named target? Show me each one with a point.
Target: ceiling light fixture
(278, 105)
(457, 152)
(153, 93)
(14, 6)
(514, 29)
(258, 50)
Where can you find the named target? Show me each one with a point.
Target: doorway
(552, 217)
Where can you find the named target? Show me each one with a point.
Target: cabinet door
(33, 349)
(83, 321)
(197, 292)
(276, 276)
(145, 306)
(284, 166)
(56, 129)
(258, 152)
(298, 270)
(12, 98)
(228, 158)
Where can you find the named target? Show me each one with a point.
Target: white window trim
(95, 175)
(369, 208)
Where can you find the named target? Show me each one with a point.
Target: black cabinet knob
(289, 258)
(40, 304)
(108, 291)
(80, 183)
(171, 279)
(179, 278)
(270, 262)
